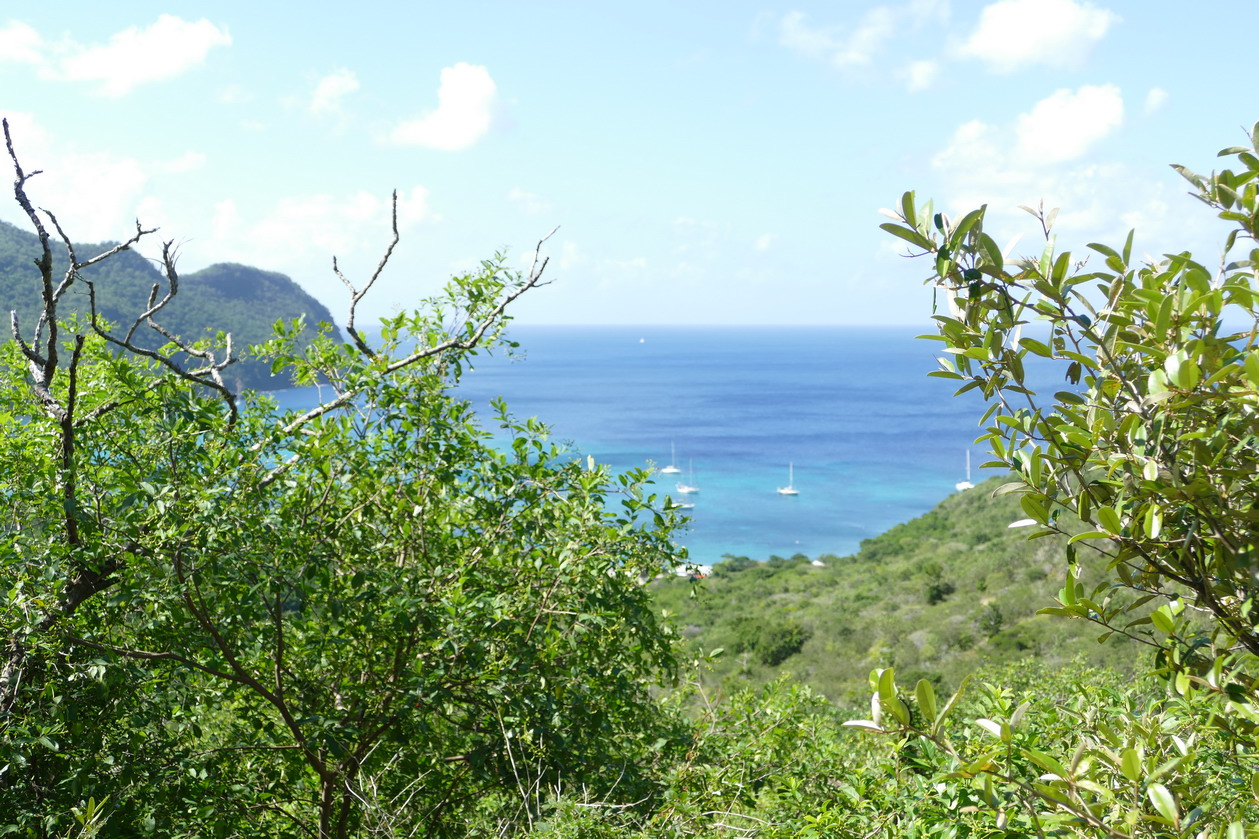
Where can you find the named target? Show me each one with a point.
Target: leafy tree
(1154, 445)
(223, 619)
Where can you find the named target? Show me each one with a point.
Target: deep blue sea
(874, 441)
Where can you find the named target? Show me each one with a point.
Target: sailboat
(962, 486)
(790, 489)
(671, 469)
(689, 489)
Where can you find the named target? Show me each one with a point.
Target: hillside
(227, 297)
(935, 597)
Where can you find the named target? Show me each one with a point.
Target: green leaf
(865, 725)
(1153, 520)
(912, 236)
(926, 697)
(1045, 761)
(1109, 520)
(1034, 508)
(1036, 347)
(1000, 730)
(1164, 803)
(1162, 621)
(1252, 369)
(1130, 765)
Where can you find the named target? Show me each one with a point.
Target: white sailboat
(689, 489)
(790, 489)
(672, 469)
(962, 486)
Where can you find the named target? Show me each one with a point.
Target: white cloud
(845, 47)
(464, 113)
(95, 196)
(330, 90)
(1050, 154)
(1155, 99)
(20, 44)
(167, 48)
(1062, 127)
(308, 230)
(920, 75)
(1067, 124)
(832, 43)
(528, 202)
(765, 241)
(1013, 34)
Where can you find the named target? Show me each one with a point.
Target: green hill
(935, 597)
(227, 297)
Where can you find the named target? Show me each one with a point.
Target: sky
(699, 163)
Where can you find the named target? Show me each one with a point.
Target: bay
(874, 441)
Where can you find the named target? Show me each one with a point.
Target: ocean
(872, 439)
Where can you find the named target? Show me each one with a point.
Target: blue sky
(704, 162)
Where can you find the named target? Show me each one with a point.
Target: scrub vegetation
(221, 619)
(935, 597)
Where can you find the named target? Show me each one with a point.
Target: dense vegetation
(220, 619)
(223, 620)
(935, 597)
(221, 298)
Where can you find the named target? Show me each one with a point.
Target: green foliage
(772, 643)
(221, 619)
(1152, 445)
(922, 596)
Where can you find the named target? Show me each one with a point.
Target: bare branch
(358, 294)
(209, 374)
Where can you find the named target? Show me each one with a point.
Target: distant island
(227, 297)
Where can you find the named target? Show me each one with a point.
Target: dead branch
(41, 351)
(356, 295)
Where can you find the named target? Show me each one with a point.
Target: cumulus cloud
(20, 44)
(1155, 99)
(1068, 123)
(167, 48)
(765, 241)
(1013, 34)
(1061, 128)
(466, 100)
(1053, 153)
(331, 90)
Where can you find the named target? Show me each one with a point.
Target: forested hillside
(239, 299)
(935, 597)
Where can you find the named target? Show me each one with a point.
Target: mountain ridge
(224, 297)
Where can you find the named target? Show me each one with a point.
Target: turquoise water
(874, 441)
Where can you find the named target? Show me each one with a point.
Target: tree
(220, 618)
(1154, 445)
